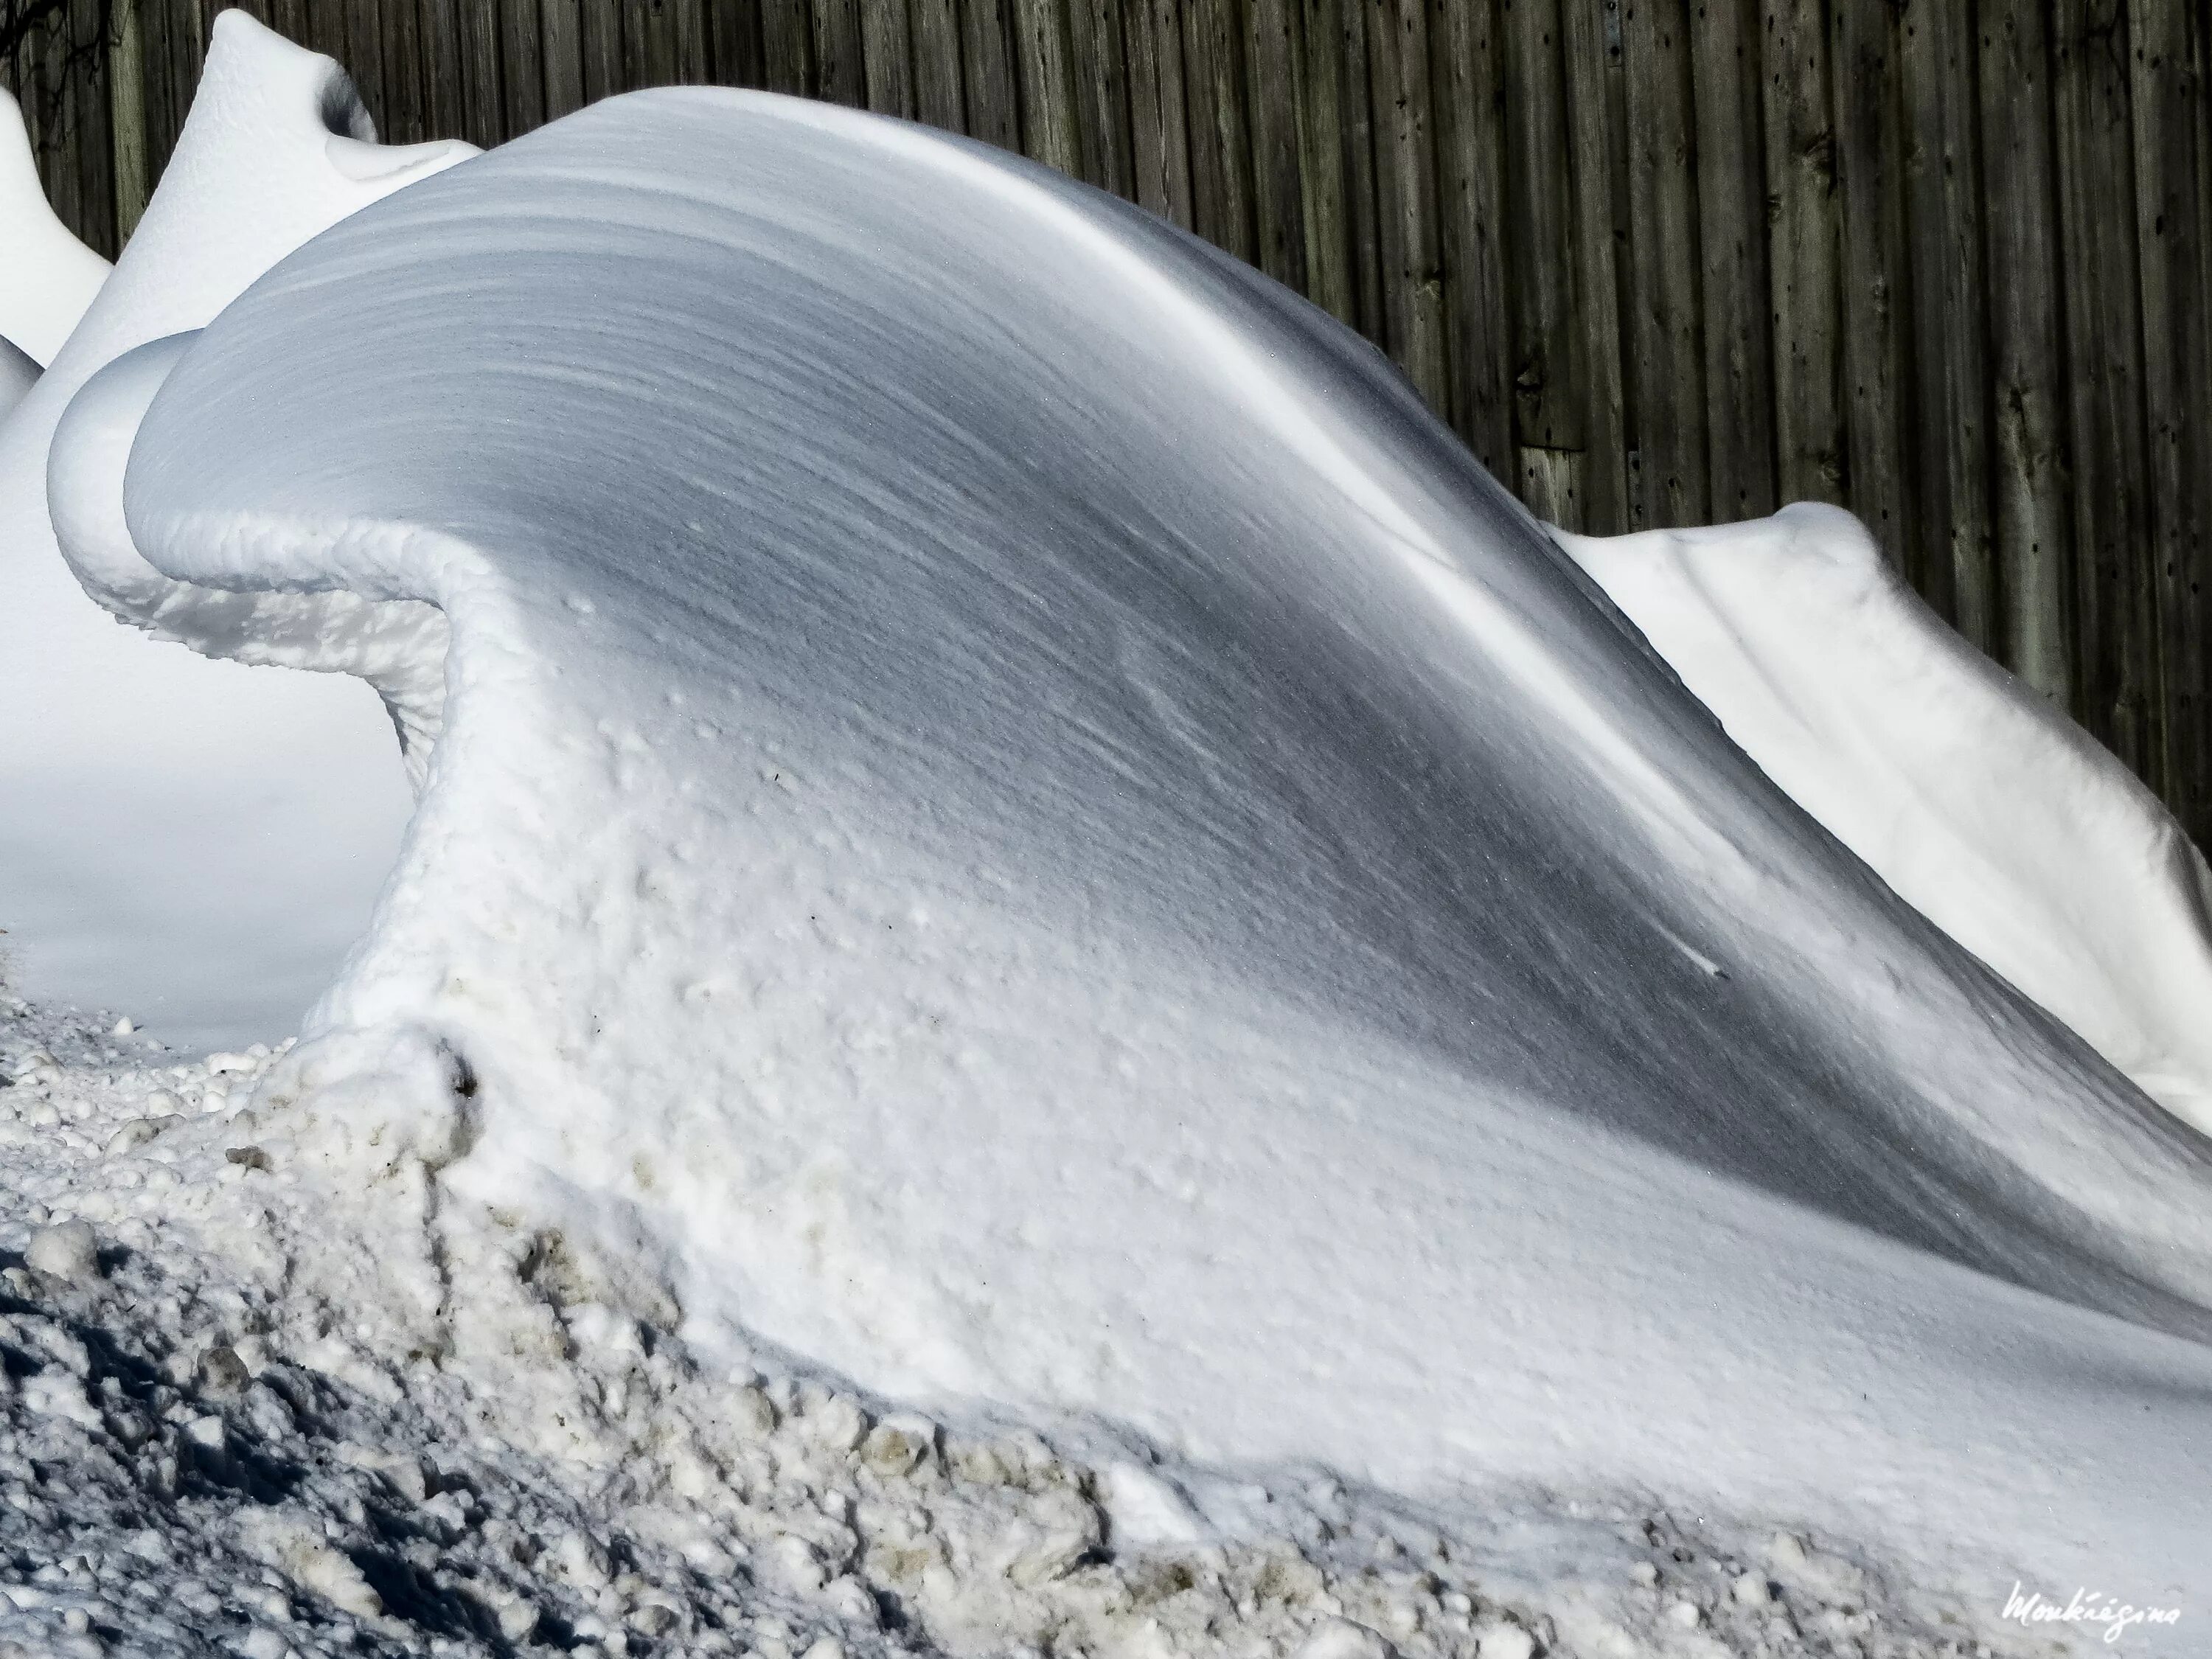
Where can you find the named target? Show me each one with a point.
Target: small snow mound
(1984, 807)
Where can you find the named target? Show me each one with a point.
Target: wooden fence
(1659, 262)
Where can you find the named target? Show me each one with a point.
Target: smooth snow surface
(1014, 817)
(47, 277)
(1993, 814)
(18, 374)
(192, 839)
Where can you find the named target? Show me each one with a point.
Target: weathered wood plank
(2168, 97)
(887, 48)
(840, 53)
(599, 25)
(1804, 275)
(1405, 178)
(445, 98)
(1323, 208)
(561, 55)
(1942, 182)
(1597, 165)
(1045, 62)
(1274, 51)
(987, 67)
(1665, 319)
(127, 115)
(939, 91)
(733, 43)
(1732, 244)
(2035, 530)
(484, 87)
(1160, 139)
(522, 66)
(1470, 96)
(649, 57)
(1361, 190)
(693, 63)
(404, 121)
(1881, 454)
(1097, 32)
(2115, 571)
(363, 56)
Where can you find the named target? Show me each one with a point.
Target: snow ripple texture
(1004, 811)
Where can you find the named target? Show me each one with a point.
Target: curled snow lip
(1011, 813)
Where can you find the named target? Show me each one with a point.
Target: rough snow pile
(195, 839)
(266, 1394)
(1007, 812)
(1993, 814)
(47, 277)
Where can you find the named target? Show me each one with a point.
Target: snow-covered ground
(1057, 987)
(258, 1402)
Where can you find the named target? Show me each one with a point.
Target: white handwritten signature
(2088, 1607)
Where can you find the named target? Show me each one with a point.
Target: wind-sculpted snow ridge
(1014, 817)
(149, 852)
(2000, 820)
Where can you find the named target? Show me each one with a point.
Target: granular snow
(295, 1415)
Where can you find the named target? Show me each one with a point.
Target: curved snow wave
(195, 841)
(1015, 814)
(47, 277)
(1993, 814)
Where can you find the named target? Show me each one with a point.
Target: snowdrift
(181, 837)
(47, 277)
(1004, 811)
(1993, 814)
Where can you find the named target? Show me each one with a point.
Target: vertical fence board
(1358, 169)
(1592, 59)
(1469, 103)
(562, 55)
(1220, 123)
(787, 47)
(445, 100)
(1724, 66)
(483, 89)
(939, 93)
(1097, 35)
(1801, 179)
(1942, 180)
(840, 55)
(987, 67)
(2113, 568)
(887, 45)
(1045, 69)
(1882, 457)
(2034, 535)
(127, 115)
(1277, 189)
(2166, 97)
(1159, 137)
(1319, 98)
(406, 119)
(1405, 178)
(1665, 324)
(1550, 401)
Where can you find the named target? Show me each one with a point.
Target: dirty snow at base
(1055, 987)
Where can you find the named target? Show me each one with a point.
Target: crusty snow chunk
(199, 843)
(1998, 818)
(47, 277)
(1013, 816)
